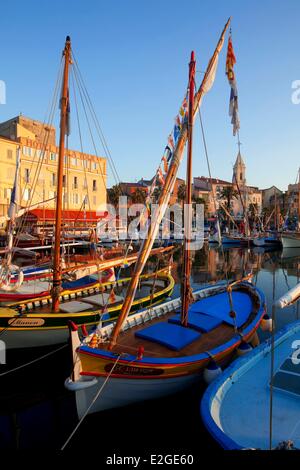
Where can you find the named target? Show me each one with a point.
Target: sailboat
(40, 317)
(266, 404)
(165, 349)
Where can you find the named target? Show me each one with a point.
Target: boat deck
(129, 343)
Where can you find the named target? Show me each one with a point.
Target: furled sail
(166, 192)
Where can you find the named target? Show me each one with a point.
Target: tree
(181, 193)
(228, 193)
(113, 194)
(138, 197)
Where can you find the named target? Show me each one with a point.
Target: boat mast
(13, 210)
(170, 179)
(55, 292)
(186, 293)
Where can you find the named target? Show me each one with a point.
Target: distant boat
(236, 407)
(268, 240)
(290, 239)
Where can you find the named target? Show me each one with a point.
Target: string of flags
(172, 142)
(163, 168)
(233, 101)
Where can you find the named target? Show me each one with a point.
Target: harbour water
(37, 411)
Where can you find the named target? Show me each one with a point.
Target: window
(94, 185)
(27, 151)
(64, 181)
(9, 154)
(53, 157)
(95, 166)
(27, 175)
(75, 183)
(75, 198)
(53, 179)
(66, 159)
(74, 161)
(26, 195)
(241, 176)
(7, 193)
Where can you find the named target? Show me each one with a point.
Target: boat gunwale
(186, 360)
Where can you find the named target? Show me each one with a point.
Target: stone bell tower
(239, 171)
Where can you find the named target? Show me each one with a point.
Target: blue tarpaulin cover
(198, 322)
(218, 306)
(172, 336)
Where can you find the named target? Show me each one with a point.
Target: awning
(48, 215)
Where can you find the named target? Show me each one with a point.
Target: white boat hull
(121, 392)
(291, 241)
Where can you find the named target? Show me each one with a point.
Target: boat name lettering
(26, 322)
(122, 369)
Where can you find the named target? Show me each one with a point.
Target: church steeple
(239, 171)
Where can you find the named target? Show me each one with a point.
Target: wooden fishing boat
(268, 240)
(164, 349)
(37, 279)
(236, 407)
(174, 356)
(32, 322)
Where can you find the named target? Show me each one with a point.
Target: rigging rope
(33, 361)
(92, 403)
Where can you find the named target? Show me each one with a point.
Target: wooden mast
(165, 194)
(186, 293)
(55, 292)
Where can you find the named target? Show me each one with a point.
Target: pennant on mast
(233, 101)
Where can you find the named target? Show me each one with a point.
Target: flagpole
(64, 103)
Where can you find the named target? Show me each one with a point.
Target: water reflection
(37, 412)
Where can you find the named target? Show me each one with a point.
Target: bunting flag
(178, 121)
(233, 102)
(165, 163)
(184, 107)
(168, 153)
(176, 132)
(171, 142)
(160, 176)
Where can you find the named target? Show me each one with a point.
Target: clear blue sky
(134, 57)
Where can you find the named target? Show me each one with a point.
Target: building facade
(84, 180)
(211, 190)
